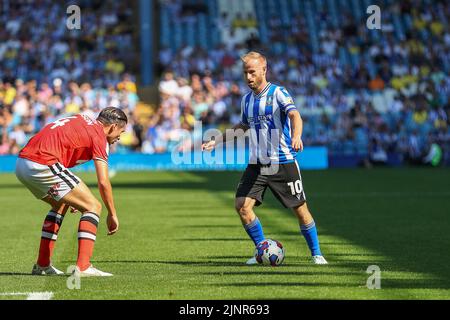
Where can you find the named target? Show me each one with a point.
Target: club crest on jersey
(269, 101)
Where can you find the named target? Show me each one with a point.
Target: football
(270, 252)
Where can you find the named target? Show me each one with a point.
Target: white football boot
(91, 272)
(251, 261)
(45, 271)
(319, 260)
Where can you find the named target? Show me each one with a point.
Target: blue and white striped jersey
(270, 127)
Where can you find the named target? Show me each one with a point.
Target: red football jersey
(69, 141)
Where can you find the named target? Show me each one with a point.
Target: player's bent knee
(245, 211)
(237, 207)
(95, 206)
(243, 208)
(238, 204)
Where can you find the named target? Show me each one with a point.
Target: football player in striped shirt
(275, 125)
(43, 167)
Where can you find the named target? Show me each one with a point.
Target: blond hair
(254, 55)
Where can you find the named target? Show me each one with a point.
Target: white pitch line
(40, 296)
(31, 295)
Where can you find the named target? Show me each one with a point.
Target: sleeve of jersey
(244, 119)
(100, 150)
(285, 101)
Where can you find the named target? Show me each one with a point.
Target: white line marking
(31, 295)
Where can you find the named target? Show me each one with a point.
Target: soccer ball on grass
(270, 252)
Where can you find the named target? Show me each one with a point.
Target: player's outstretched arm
(297, 130)
(105, 188)
(208, 146)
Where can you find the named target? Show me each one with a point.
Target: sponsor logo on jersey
(259, 118)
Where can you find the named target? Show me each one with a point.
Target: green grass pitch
(181, 239)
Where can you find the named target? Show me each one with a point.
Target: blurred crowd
(359, 91)
(36, 44)
(48, 71)
(362, 91)
(25, 107)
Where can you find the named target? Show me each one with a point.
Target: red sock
(50, 230)
(87, 232)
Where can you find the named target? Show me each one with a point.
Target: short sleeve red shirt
(69, 141)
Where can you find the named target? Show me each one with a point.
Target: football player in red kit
(43, 167)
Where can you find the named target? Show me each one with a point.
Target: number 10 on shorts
(296, 187)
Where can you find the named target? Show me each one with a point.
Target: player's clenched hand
(113, 224)
(297, 144)
(208, 146)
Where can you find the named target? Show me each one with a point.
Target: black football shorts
(285, 183)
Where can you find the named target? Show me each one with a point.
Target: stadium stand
(47, 71)
(371, 93)
(360, 91)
